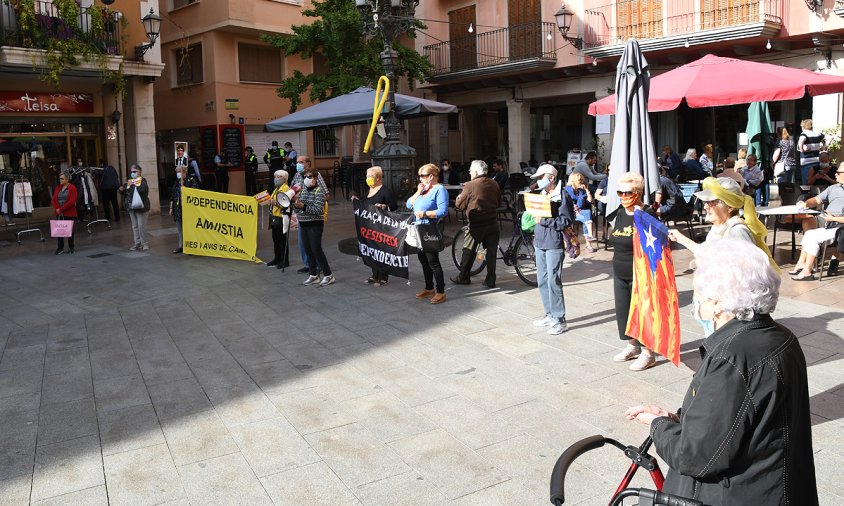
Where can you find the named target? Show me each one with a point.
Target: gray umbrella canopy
(632, 145)
(353, 108)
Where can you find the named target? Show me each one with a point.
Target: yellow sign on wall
(219, 224)
(538, 205)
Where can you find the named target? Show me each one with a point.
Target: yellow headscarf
(751, 219)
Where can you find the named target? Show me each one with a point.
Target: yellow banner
(219, 224)
(538, 205)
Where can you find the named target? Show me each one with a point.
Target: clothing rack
(79, 170)
(29, 228)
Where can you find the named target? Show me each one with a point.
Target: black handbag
(430, 237)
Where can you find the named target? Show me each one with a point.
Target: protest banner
(654, 318)
(538, 206)
(219, 224)
(381, 239)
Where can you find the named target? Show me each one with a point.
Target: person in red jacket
(64, 205)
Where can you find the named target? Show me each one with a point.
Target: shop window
(259, 64)
(325, 141)
(189, 65)
(320, 64)
(178, 4)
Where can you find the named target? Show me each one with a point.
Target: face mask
(370, 182)
(178, 175)
(708, 325)
(824, 165)
(445, 167)
(309, 181)
(134, 174)
(628, 201)
(300, 168)
(278, 181)
(542, 184)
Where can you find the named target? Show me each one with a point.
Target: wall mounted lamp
(152, 26)
(564, 18)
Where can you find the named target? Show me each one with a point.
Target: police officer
(274, 158)
(251, 164)
(221, 172)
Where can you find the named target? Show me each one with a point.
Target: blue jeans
(302, 249)
(549, 266)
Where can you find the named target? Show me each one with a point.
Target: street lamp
(564, 18)
(390, 19)
(152, 26)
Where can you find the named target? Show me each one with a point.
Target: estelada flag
(654, 318)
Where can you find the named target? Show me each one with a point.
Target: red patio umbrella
(716, 81)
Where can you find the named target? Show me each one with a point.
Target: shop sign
(40, 103)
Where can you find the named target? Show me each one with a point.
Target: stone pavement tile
(381, 334)
(814, 355)
(65, 339)
(827, 405)
(67, 467)
(272, 445)
(120, 392)
(199, 347)
(151, 348)
(66, 361)
(503, 494)
(574, 399)
(31, 335)
(335, 336)
(223, 480)
(19, 410)
(22, 357)
(226, 330)
(129, 428)
(224, 371)
(164, 369)
(579, 343)
(487, 392)
(23, 380)
(610, 422)
(513, 322)
(94, 496)
(197, 436)
(178, 398)
(241, 403)
(17, 450)
(273, 376)
(451, 466)
(828, 467)
(387, 417)
(509, 343)
(468, 423)
(69, 420)
(405, 488)
(355, 454)
(524, 458)
(253, 350)
(307, 355)
(625, 388)
(311, 410)
(74, 385)
(411, 386)
(825, 341)
(314, 485)
(496, 364)
(15, 491)
(106, 365)
(142, 476)
(369, 359)
(826, 374)
(431, 361)
(566, 366)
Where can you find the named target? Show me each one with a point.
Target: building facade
(79, 115)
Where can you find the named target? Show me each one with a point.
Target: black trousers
(222, 177)
(60, 240)
(379, 274)
(488, 236)
(312, 239)
(110, 204)
(432, 270)
(623, 290)
(281, 255)
(251, 182)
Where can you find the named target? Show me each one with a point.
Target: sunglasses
(424, 175)
(622, 193)
(711, 203)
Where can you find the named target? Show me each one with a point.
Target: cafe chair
(821, 261)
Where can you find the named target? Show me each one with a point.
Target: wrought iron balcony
(96, 27)
(666, 24)
(499, 51)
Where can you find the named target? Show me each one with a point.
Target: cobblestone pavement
(152, 378)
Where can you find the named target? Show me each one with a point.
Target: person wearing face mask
(250, 162)
(309, 205)
(138, 217)
(824, 173)
(381, 197)
(480, 200)
(303, 164)
(754, 179)
(183, 180)
(550, 250)
(447, 176)
(281, 255)
(430, 205)
(630, 188)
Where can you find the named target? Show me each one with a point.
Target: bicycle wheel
(457, 253)
(524, 259)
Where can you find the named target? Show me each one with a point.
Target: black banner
(381, 239)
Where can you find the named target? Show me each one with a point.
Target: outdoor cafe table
(792, 211)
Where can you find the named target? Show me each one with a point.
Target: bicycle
(638, 456)
(519, 254)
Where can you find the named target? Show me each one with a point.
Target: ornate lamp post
(390, 19)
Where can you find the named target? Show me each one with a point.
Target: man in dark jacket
(480, 200)
(251, 163)
(274, 158)
(109, 183)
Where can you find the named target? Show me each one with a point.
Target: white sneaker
(545, 322)
(628, 353)
(135, 247)
(645, 361)
(558, 328)
(311, 280)
(326, 280)
(145, 247)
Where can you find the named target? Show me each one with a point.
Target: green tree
(353, 60)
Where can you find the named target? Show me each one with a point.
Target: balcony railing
(519, 44)
(613, 24)
(49, 24)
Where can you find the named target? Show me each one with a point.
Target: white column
(140, 138)
(518, 124)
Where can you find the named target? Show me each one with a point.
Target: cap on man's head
(248, 148)
(727, 183)
(543, 169)
(274, 143)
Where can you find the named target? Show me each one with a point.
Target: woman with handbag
(281, 258)
(64, 206)
(430, 205)
(136, 202)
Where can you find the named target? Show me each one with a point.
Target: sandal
(380, 282)
(795, 272)
(371, 280)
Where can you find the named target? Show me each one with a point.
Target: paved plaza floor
(151, 378)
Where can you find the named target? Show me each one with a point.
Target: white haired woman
(692, 169)
(279, 221)
(743, 435)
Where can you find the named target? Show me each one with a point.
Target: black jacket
(744, 436)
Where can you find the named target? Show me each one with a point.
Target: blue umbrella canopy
(354, 108)
(632, 145)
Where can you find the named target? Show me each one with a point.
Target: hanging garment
(92, 188)
(23, 198)
(4, 206)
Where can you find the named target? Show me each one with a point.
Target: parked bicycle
(519, 254)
